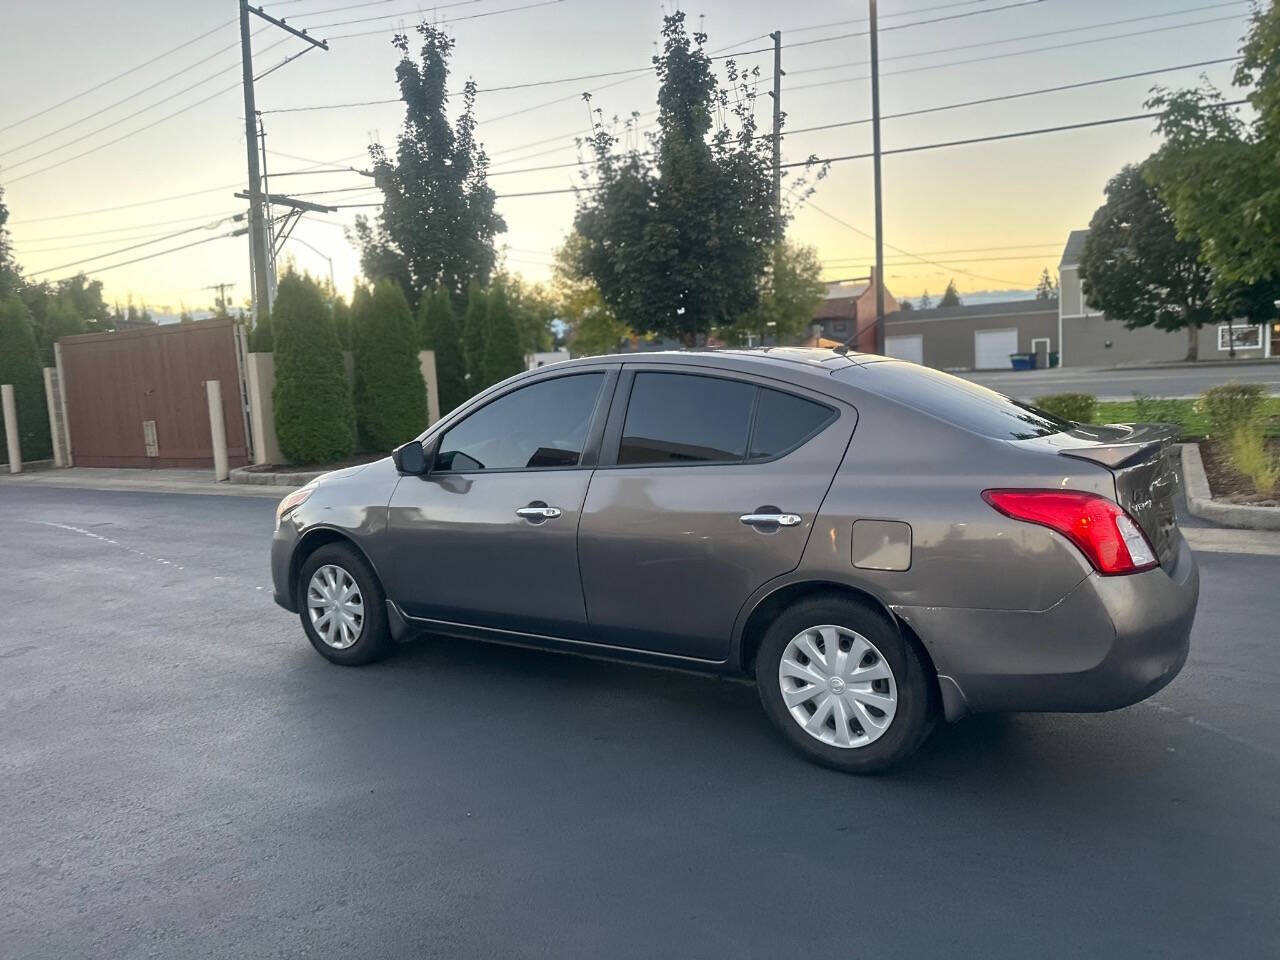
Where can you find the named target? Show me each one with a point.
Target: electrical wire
(474, 16)
(125, 206)
(204, 218)
(137, 246)
(161, 253)
(119, 76)
(385, 16)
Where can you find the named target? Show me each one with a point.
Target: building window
(1245, 337)
(839, 326)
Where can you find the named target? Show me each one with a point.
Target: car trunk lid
(1141, 457)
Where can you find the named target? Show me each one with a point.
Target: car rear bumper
(1111, 642)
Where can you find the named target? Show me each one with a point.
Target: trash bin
(1053, 358)
(1023, 361)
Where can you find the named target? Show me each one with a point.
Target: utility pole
(875, 149)
(222, 297)
(777, 121)
(259, 242)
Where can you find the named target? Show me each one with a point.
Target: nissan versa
(878, 544)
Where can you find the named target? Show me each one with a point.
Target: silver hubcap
(335, 607)
(837, 686)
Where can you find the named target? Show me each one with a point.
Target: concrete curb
(1200, 500)
(53, 478)
(259, 478)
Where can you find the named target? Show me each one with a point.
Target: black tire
(374, 641)
(916, 708)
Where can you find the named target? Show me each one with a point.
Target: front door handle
(771, 519)
(538, 512)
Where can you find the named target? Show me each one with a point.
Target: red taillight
(1105, 534)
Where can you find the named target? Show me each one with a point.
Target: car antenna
(843, 348)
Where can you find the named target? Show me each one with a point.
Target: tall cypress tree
(440, 333)
(475, 336)
(315, 422)
(390, 397)
(20, 366)
(504, 353)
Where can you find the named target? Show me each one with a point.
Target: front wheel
(342, 607)
(843, 686)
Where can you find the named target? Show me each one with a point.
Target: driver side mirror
(411, 458)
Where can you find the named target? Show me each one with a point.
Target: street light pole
(332, 285)
(875, 149)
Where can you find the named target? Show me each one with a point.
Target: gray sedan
(878, 544)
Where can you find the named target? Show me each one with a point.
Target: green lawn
(1181, 412)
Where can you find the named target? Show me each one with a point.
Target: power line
(1015, 246)
(118, 76)
(474, 16)
(125, 206)
(385, 16)
(161, 253)
(137, 246)
(204, 218)
(842, 23)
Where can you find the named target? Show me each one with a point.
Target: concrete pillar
(55, 422)
(11, 428)
(427, 364)
(260, 370)
(218, 428)
(62, 400)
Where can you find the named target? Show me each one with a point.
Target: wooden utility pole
(776, 36)
(259, 241)
(875, 149)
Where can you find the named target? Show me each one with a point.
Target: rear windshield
(955, 401)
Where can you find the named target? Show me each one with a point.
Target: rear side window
(955, 401)
(783, 422)
(676, 418)
(685, 418)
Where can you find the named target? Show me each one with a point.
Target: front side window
(539, 426)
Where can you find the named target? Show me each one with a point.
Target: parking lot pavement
(182, 776)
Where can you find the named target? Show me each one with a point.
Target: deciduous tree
(593, 328)
(437, 222)
(790, 294)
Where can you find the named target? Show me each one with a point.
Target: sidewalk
(140, 480)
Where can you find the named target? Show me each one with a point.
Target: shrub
(1078, 407)
(475, 335)
(1248, 452)
(1231, 405)
(1149, 409)
(440, 334)
(314, 419)
(390, 397)
(342, 322)
(20, 366)
(504, 350)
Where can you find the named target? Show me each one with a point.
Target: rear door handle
(771, 519)
(538, 513)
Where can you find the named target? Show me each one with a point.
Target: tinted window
(956, 401)
(679, 418)
(783, 422)
(542, 425)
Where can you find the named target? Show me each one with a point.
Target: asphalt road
(1113, 384)
(182, 776)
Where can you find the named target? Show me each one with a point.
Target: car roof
(775, 361)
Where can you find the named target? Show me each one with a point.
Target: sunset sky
(992, 215)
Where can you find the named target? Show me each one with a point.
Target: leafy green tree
(950, 296)
(390, 396)
(440, 333)
(791, 293)
(534, 309)
(1136, 269)
(678, 236)
(475, 337)
(20, 366)
(593, 328)
(1046, 287)
(315, 422)
(342, 321)
(437, 222)
(10, 273)
(503, 352)
(1218, 172)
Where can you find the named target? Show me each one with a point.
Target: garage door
(991, 348)
(905, 348)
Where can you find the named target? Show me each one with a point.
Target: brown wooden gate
(137, 398)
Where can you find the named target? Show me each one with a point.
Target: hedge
(390, 396)
(440, 334)
(20, 366)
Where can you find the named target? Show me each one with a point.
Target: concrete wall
(948, 340)
(260, 373)
(1095, 341)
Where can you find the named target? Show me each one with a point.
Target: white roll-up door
(991, 348)
(906, 347)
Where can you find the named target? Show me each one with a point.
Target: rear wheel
(342, 606)
(844, 686)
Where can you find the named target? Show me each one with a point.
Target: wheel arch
(313, 540)
(771, 605)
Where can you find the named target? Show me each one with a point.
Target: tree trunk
(1193, 342)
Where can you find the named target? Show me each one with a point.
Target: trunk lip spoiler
(1146, 439)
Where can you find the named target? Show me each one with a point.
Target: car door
(488, 536)
(708, 486)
